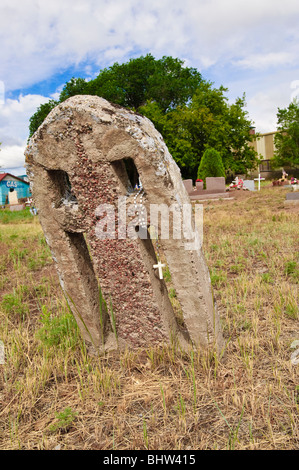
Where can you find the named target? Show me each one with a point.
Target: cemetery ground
(53, 395)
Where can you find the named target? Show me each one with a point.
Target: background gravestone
(188, 185)
(249, 184)
(215, 184)
(292, 198)
(87, 153)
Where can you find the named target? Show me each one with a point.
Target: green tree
(165, 82)
(125, 84)
(287, 138)
(76, 86)
(206, 121)
(238, 153)
(210, 165)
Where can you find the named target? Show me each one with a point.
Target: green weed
(40, 258)
(290, 267)
(267, 278)
(236, 268)
(292, 310)
(167, 275)
(292, 270)
(58, 331)
(172, 293)
(13, 304)
(218, 278)
(64, 420)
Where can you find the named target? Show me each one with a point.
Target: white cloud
(15, 114)
(266, 116)
(14, 121)
(38, 38)
(266, 61)
(232, 39)
(12, 156)
(263, 105)
(295, 92)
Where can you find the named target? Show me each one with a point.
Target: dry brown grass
(53, 394)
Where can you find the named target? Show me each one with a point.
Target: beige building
(264, 146)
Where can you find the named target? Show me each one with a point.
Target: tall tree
(287, 138)
(165, 81)
(76, 86)
(206, 121)
(125, 84)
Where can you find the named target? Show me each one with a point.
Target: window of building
(265, 165)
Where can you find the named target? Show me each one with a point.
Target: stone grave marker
(83, 163)
(292, 198)
(216, 185)
(215, 189)
(199, 185)
(188, 185)
(249, 184)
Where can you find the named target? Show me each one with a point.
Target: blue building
(11, 184)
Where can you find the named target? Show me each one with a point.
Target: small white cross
(259, 179)
(160, 266)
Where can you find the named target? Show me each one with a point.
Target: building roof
(3, 175)
(267, 133)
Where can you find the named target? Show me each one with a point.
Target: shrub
(210, 165)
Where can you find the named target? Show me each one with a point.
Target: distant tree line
(187, 110)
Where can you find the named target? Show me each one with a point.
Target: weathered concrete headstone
(292, 198)
(216, 185)
(188, 185)
(215, 189)
(199, 185)
(83, 164)
(249, 184)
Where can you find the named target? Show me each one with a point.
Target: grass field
(54, 396)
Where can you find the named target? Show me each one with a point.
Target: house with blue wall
(9, 184)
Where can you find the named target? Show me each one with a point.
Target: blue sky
(250, 47)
